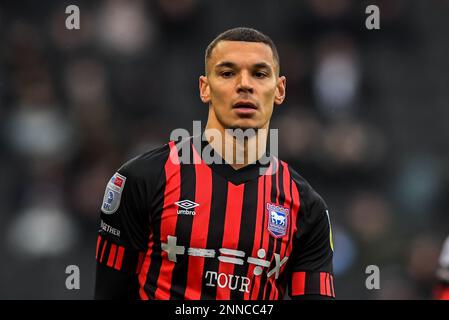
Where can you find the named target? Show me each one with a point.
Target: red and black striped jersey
(177, 230)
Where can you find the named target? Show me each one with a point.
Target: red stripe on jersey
(323, 283)
(142, 270)
(105, 243)
(298, 283)
(264, 232)
(287, 182)
(292, 201)
(271, 281)
(140, 262)
(274, 289)
(203, 196)
(119, 260)
(112, 255)
(328, 285)
(287, 242)
(98, 246)
(288, 197)
(231, 233)
(257, 233)
(332, 285)
(169, 218)
(294, 212)
(277, 179)
(294, 209)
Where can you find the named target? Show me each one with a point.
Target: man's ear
(280, 90)
(204, 89)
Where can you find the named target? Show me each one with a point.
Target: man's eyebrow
(262, 65)
(228, 64)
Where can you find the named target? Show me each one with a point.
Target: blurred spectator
(337, 75)
(124, 27)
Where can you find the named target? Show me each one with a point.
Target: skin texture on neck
(229, 147)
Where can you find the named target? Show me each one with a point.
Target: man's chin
(245, 125)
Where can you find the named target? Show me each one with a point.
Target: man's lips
(244, 105)
(245, 108)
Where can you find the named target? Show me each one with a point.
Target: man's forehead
(242, 51)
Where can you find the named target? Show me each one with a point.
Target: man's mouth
(244, 105)
(245, 108)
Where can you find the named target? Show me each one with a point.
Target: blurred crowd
(365, 122)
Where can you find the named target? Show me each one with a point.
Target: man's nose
(244, 84)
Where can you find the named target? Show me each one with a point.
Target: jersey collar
(236, 176)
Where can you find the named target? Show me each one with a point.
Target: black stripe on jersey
(291, 222)
(332, 286)
(215, 232)
(313, 282)
(283, 279)
(281, 202)
(156, 259)
(247, 229)
(183, 231)
(261, 235)
(281, 184)
(264, 294)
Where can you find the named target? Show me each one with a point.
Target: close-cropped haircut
(242, 34)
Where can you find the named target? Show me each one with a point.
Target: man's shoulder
(152, 162)
(308, 195)
(147, 164)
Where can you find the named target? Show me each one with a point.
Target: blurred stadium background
(365, 121)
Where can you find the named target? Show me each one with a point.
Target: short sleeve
(312, 270)
(125, 217)
(124, 221)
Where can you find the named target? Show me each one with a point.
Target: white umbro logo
(187, 205)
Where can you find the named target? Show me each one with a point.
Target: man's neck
(236, 150)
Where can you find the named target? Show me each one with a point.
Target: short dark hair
(242, 34)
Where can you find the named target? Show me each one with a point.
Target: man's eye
(260, 75)
(226, 74)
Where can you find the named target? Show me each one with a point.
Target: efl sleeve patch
(113, 194)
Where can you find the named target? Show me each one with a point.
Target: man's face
(242, 85)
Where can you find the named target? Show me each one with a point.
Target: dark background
(365, 122)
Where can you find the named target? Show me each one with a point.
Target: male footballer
(218, 230)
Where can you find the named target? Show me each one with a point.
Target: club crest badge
(278, 217)
(113, 194)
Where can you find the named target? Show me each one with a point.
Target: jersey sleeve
(311, 265)
(125, 218)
